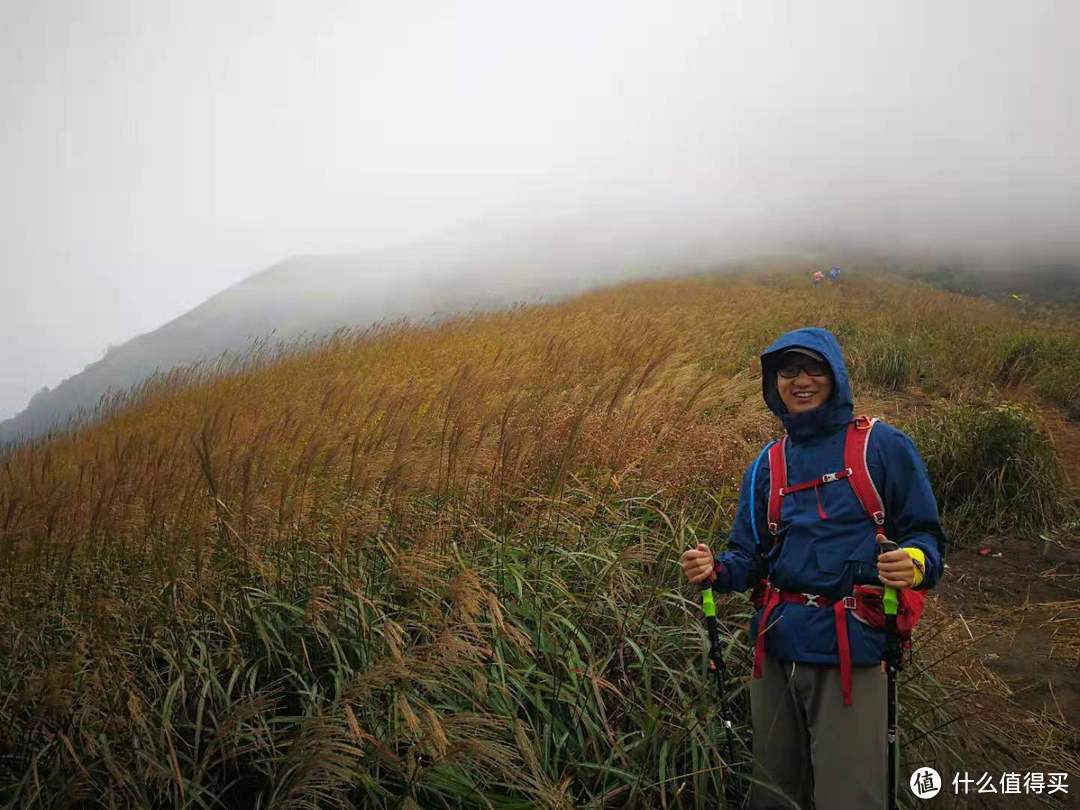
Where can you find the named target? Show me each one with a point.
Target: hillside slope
(461, 270)
(436, 566)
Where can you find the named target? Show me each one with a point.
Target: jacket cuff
(721, 577)
(918, 556)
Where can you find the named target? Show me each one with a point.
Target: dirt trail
(1032, 602)
(1022, 605)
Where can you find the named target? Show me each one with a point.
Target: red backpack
(865, 601)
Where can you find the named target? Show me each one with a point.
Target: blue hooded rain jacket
(826, 557)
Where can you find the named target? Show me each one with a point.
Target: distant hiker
(806, 538)
(834, 274)
(818, 278)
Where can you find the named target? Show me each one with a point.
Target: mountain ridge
(309, 294)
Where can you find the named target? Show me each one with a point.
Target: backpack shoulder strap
(777, 482)
(753, 491)
(855, 445)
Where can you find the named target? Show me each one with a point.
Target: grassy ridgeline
(436, 567)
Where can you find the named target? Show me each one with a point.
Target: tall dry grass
(421, 566)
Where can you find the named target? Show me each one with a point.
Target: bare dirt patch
(1014, 616)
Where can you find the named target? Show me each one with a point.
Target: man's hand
(697, 564)
(895, 568)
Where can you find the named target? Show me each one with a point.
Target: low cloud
(155, 154)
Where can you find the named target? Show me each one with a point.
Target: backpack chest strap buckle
(828, 478)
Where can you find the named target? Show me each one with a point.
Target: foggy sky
(154, 152)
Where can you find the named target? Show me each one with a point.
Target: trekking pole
(716, 664)
(890, 602)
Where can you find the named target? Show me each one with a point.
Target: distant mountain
(1055, 283)
(461, 270)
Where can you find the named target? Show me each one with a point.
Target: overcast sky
(154, 152)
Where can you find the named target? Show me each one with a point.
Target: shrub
(884, 362)
(992, 467)
(1060, 385)
(1020, 357)
(889, 367)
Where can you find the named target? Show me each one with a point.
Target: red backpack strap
(777, 482)
(855, 444)
(843, 648)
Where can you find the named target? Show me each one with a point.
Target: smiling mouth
(806, 396)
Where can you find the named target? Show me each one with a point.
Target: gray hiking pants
(810, 749)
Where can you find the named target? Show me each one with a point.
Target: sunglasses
(813, 368)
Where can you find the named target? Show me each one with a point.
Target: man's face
(803, 383)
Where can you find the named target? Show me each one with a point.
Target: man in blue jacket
(820, 738)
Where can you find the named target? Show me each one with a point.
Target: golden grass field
(436, 565)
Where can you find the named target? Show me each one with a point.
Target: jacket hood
(837, 411)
